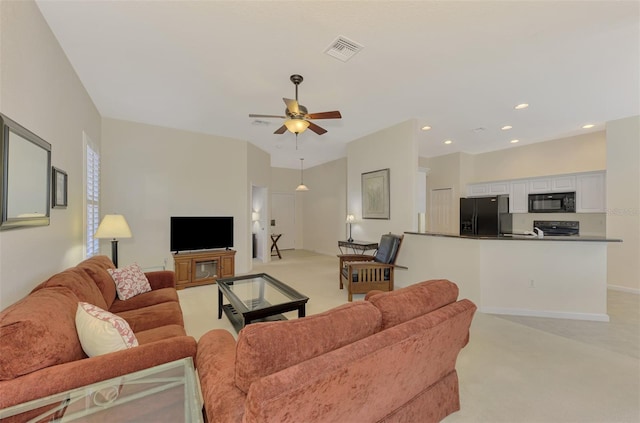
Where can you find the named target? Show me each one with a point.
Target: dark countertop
(522, 237)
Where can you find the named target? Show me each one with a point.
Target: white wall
(394, 148)
(151, 173)
(623, 202)
(40, 90)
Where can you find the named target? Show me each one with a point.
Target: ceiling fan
(297, 115)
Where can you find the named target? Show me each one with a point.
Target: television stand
(203, 267)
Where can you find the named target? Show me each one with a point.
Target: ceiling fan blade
(266, 116)
(292, 105)
(281, 130)
(325, 115)
(315, 128)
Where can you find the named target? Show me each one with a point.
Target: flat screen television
(190, 233)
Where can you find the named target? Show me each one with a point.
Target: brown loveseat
(390, 358)
(40, 353)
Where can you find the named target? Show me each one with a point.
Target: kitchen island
(561, 277)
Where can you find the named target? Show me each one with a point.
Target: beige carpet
(515, 369)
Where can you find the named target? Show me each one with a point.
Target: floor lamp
(113, 226)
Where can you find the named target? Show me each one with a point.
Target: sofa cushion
(266, 348)
(154, 316)
(158, 296)
(408, 303)
(96, 267)
(101, 332)
(158, 334)
(130, 281)
(79, 283)
(39, 331)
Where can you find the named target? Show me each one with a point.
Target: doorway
(283, 219)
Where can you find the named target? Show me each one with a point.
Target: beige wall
(285, 181)
(581, 153)
(151, 173)
(40, 90)
(394, 148)
(324, 206)
(623, 202)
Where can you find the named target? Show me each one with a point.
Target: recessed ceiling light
(426, 128)
(504, 128)
(448, 142)
(588, 126)
(521, 106)
(514, 141)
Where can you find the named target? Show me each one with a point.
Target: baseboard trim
(596, 317)
(624, 289)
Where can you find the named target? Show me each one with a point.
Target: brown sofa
(40, 353)
(389, 358)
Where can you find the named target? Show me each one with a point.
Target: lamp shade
(302, 187)
(297, 126)
(113, 226)
(351, 218)
(255, 216)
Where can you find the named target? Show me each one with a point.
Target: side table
(274, 245)
(358, 247)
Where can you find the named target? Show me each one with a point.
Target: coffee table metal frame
(240, 314)
(139, 388)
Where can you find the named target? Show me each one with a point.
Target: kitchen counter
(518, 237)
(559, 277)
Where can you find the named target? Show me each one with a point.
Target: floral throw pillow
(130, 281)
(101, 332)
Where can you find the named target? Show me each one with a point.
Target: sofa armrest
(348, 258)
(216, 363)
(161, 279)
(75, 374)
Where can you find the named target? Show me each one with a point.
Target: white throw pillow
(101, 332)
(130, 281)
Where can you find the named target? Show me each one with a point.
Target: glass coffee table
(167, 392)
(257, 298)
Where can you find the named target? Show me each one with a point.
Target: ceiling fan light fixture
(297, 126)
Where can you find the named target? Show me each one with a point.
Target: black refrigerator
(485, 216)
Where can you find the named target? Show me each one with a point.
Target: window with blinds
(92, 198)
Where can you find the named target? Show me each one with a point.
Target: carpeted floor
(515, 369)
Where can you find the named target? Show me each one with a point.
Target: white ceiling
(457, 66)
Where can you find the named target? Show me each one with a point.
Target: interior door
(440, 211)
(283, 219)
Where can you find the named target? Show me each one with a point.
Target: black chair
(363, 273)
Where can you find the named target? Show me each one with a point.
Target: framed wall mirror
(25, 177)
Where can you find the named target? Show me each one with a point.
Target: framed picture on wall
(59, 188)
(375, 194)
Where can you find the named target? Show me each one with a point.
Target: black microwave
(559, 202)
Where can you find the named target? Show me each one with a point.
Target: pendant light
(302, 186)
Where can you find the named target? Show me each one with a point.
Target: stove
(558, 227)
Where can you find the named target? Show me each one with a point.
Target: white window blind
(92, 198)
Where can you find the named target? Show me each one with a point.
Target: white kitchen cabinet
(563, 183)
(566, 183)
(488, 189)
(540, 185)
(519, 197)
(590, 193)
(478, 190)
(499, 188)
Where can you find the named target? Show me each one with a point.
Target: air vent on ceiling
(343, 48)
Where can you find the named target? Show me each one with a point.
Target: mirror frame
(6, 126)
